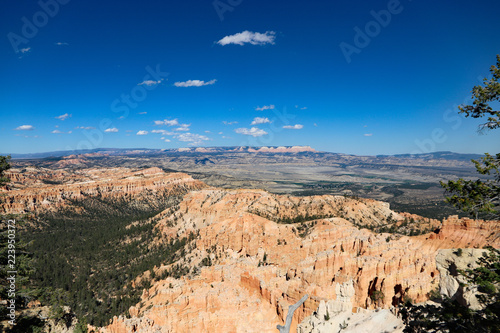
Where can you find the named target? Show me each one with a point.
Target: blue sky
(360, 77)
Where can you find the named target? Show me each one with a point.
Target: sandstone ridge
(106, 183)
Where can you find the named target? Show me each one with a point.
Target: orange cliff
(107, 183)
(260, 267)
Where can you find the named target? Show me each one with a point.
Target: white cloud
(142, 113)
(142, 133)
(254, 131)
(194, 139)
(61, 43)
(254, 38)
(265, 107)
(26, 49)
(208, 132)
(167, 122)
(229, 122)
(25, 128)
(183, 128)
(194, 83)
(166, 140)
(368, 134)
(63, 116)
(85, 127)
(111, 130)
(260, 120)
(162, 132)
(296, 126)
(221, 133)
(59, 132)
(150, 83)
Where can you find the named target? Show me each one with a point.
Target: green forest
(86, 258)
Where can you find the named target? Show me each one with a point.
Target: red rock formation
(260, 267)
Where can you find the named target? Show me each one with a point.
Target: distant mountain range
(444, 155)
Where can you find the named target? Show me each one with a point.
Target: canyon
(250, 253)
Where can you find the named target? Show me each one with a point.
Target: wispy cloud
(63, 116)
(111, 130)
(85, 127)
(194, 83)
(254, 131)
(260, 120)
(25, 50)
(229, 122)
(249, 37)
(142, 133)
(61, 44)
(162, 132)
(150, 83)
(25, 128)
(183, 128)
(142, 113)
(302, 108)
(296, 126)
(194, 139)
(265, 107)
(59, 132)
(166, 122)
(368, 134)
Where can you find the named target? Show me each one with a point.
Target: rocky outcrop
(362, 321)
(110, 183)
(466, 233)
(257, 267)
(452, 284)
